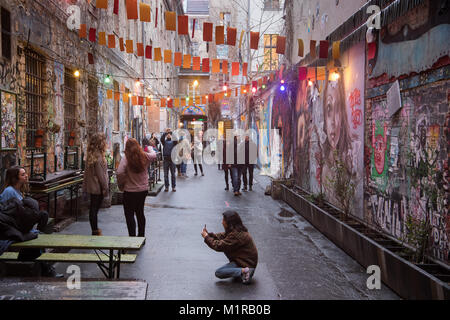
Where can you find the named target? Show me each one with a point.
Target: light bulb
(76, 73)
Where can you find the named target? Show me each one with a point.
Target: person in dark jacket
(168, 145)
(250, 150)
(238, 246)
(236, 168)
(226, 166)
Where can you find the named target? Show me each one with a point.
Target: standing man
(250, 160)
(168, 145)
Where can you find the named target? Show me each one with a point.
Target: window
(116, 108)
(272, 5)
(195, 47)
(225, 18)
(270, 54)
(34, 94)
(69, 104)
(6, 33)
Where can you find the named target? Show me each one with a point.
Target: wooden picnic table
(115, 244)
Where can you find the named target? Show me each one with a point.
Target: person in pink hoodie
(132, 179)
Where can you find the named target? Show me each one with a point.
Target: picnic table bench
(91, 289)
(109, 263)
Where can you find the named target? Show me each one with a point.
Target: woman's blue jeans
(231, 269)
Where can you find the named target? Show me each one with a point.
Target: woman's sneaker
(245, 276)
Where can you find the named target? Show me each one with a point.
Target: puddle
(285, 214)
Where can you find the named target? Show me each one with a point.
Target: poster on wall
(8, 120)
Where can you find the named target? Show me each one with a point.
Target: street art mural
(8, 121)
(406, 155)
(58, 113)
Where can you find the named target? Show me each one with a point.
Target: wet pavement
(295, 260)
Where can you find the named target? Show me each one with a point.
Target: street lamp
(195, 83)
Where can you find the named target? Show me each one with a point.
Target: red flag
(193, 28)
(205, 65)
(156, 18)
(231, 36)
(92, 34)
(207, 31)
(116, 7)
(323, 51)
(132, 9)
(183, 26)
(281, 45)
(254, 39)
(302, 72)
(244, 69)
(220, 36)
(235, 68)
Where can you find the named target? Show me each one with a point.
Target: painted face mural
(332, 115)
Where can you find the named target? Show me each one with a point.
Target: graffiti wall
(406, 154)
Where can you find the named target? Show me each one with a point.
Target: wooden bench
(109, 263)
(91, 289)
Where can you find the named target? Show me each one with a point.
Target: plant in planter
(342, 185)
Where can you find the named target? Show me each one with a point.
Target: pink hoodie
(134, 182)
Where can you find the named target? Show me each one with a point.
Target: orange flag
(197, 100)
(144, 12)
(176, 102)
(116, 96)
(101, 4)
(121, 44)
(148, 101)
(300, 48)
(177, 58)
(183, 102)
(215, 68)
(187, 61)
(167, 56)
(163, 103)
(196, 63)
(129, 46)
(111, 41)
(336, 50)
(102, 38)
(140, 49)
(235, 68)
(157, 54)
(109, 94)
(312, 48)
(171, 20)
(231, 36)
(132, 11)
(224, 66)
(281, 45)
(244, 69)
(183, 25)
(125, 98)
(203, 99)
(134, 100)
(254, 39)
(82, 33)
(220, 37)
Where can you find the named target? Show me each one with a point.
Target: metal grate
(34, 89)
(69, 104)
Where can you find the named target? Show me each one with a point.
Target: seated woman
(16, 184)
(238, 246)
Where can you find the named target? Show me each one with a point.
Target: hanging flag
(196, 63)
(301, 49)
(111, 41)
(116, 7)
(323, 49)
(157, 54)
(311, 75)
(205, 65)
(109, 94)
(220, 36)
(102, 38)
(183, 102)
(183, 25)
(321, 71)
(336, 50)
(176, 102)
(371, 50)
(231, 36)
(312, 48)
(140, 101)
(302, 72)
(132, 10)
(235, 68)
(254, 39)
(171, 20)
(236, 92)
(169, 103)
(82, 31)
(207, 31)
(144, 12)
(281, 44)
(140, 49)
(122, 48)
(156, 18)
(116, 96)
(125, 98)
(210, 97)
(129, 46)
(243, 89)
(163, 103)
(167, 56)
(244, 69)
(197, 100)
(271, 77)
(215, 66)
(134, 100)
(240, 39)
(186, 61)
(193, 28)
(148, 101)
(101, 4)
(92, 34)
(203, 99)
(177, 58)
(224, 66)
(148, 52)
(259, 83)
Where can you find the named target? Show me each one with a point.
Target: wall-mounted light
(107, 79)
(76, 73)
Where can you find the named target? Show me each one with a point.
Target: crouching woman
(238, 246)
